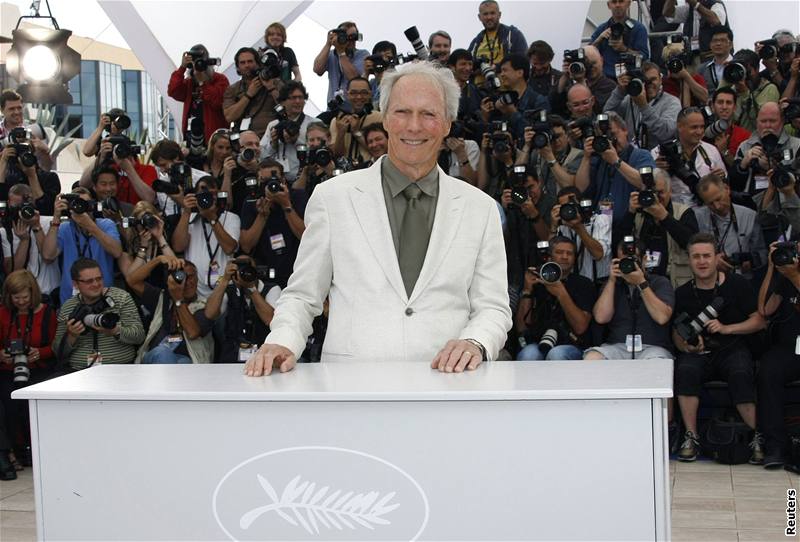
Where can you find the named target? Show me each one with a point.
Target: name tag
(633, 343)
(652, 259)
(246, 352)
(277, 241)
(762, 182)
(245, 124)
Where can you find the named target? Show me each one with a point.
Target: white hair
(441, 77)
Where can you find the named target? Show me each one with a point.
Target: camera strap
(28, 326)
(211, 255)
(703, 155)
(634, 297)
(86, 246)
(721, 240)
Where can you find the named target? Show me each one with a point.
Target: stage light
(42, 62)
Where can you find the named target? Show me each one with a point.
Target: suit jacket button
(409, 311)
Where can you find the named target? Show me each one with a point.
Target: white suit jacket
(347, 253)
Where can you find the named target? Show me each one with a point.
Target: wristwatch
(178, 303)
(480, 347)
(551, 163)
(213, 222)
(617, 164)
(36, 230)
(643, 286)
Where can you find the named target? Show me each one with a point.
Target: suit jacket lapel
(449, 209)
(370, 209)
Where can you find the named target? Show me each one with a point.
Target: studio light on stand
(41, 60)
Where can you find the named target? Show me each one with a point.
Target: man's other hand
(268, 357)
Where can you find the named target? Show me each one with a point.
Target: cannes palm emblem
(302, 504)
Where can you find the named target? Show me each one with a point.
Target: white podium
(354, 451)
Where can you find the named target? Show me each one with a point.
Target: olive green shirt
(394, 182)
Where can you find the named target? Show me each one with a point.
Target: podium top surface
(364, 381)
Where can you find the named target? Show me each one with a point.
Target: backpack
(727, 441)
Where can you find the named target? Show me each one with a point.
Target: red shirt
(738, 135)
(125, 191)
(16, 328)
(673, 86)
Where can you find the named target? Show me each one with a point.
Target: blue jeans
(164, 354)
(561, 352)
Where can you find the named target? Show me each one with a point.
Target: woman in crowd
(219, 150)
(27, 328)
(147, 239)
(275, 38)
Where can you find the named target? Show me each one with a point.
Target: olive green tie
(413, 238)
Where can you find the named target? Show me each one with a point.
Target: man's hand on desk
(457, 355)
(268, 357)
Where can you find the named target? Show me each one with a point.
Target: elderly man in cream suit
(412, 260)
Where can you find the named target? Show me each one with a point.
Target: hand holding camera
(175, 287)
(75, 328)
(755, 153)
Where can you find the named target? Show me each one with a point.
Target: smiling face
(691, 129)
(417, 123)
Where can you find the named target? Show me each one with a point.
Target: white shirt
(599, 228)
(166, 203)
(473, 154)
(286, 153)
(198, 250)
(48, 275)
(680, 191)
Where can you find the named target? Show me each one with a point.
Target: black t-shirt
(628, 303)
(51, 186)
(549, 314)
(786, 320)
(740, 303)
(242, 324)
(277, 246)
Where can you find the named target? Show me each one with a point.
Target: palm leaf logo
(302, 504)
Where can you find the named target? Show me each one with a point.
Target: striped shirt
(112, 349)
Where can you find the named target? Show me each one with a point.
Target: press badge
(277, 241)
(652, 259)
(619, 69)
(762, 182)
(214, 274)
(245, 124)
(606, 207)
(695, 43)
(633, 343)
(95, 358)
(245, 351)
(172, 341)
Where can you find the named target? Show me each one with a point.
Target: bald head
(769, 119)
(580, 101)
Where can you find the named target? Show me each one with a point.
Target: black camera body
(499, 142)
(19, 138)
(620, 31)
(542, 129)
(734, 72)
(738, 258)
(178, 275)
(205, 199)
(147, 221)
(342, 37)
(633, 68)
(627, 265)
(271, 64)
(577, 61)
(769, 49)
(122, 147)
(93, 315)
(320, 156)
(785, 253)
(585, 125)
(78, 205)
(19, 354)
(569, 211)
(26, 211)
(274, 184)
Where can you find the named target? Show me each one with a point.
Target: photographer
(217, 163)
(75, 233)
(691, 159)
(527, 223)
(439, 44)
(105, 185)
(11, 109)
(249, 103)
(740, 242)
(609, 178)
(344, 62)
(200, 89)
(275, 37)
(382, 59)
(759, 154)
(563, 306)
(27, 238)
(250, 300)
(146, 239)
(180, 332)
(633, 333)
(777, 55)
(543, 78)
(659, 229)
(495, 40)
(723, 104)
(779, 206)
(247, 157)
(497, 159)
(792, 89)
(98, 324)
(168, 159)
(778, 300)
(753, 91)
(651, 113)
(206, 233)
(317, 165)
(377, 140)
(272, 222)
(720, 351)
(27, 328)
(589, 231)
(620, 34)
(556, 162)
(348, 140)
(681, 80)
(581, 106)
(721, 43)
(460, 63)
(588, 73)
(699, 18)
(44, 185)
(285, 133)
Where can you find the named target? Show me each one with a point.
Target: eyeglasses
(95, 280)
(359, 92)
(583, 103)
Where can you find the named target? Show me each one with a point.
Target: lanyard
(28, 326)
(490, 44)
(734, 223)
(86, 247)
(211, 255)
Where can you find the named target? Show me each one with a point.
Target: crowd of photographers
(648, 190)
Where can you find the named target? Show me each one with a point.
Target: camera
(248, 273)
(672, 152)
(78, 205)
(252, 190)
(26, 211)
(19, 138)
(585, 125)
(618, 30)
(548, 340)
(542, 130)
(122, 147)
(205, 199)
(627, 265)
(519, 195)
(147, 221)
(676, 63)
(412, 34)
(342, 37)
(319, 156)
(785, 253)
(379, 64)
(783, 172)
(285, 127)
(569, 211)
(19, 352)
(245, 155)
(768, 50)
(542, 251)
(120, 122)
(633, 67)
(274, 184)
(689, 329)
(549, 272)
(335, 105)
(178, 275)
(734, 72)
(647, 197)
(489, 74)
(199, 61)
(716, 129)
(92, 315)
(629, 246)
(271, 64)
(577, 61)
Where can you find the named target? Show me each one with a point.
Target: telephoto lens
(107, 320)
(550, 272)
(548, 341)
(734, 72)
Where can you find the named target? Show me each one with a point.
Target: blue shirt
(607, 180)
(336, 78)
(635, 38)
(73, 244)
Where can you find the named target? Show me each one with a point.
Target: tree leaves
(301, 504)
